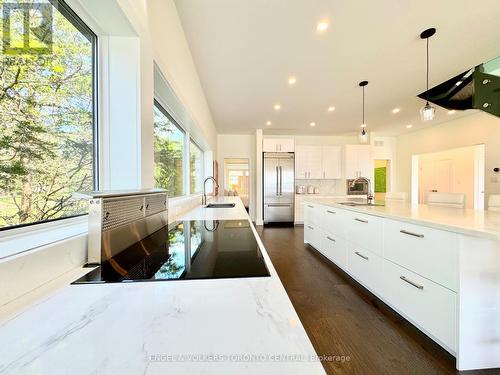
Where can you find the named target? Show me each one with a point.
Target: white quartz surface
(484, 224)
(175, 327)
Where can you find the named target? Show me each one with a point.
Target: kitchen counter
(484, 224)
(222, 326)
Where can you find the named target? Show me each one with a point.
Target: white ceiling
(245, 50)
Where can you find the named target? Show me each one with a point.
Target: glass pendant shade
(363, 137)
(427, 112)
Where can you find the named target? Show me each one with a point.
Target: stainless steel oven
(356, 188)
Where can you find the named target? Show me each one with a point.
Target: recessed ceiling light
(277, 107)
(409, 126)
(322, 26)
(396, 110)
(331, 109)
(268, 123)
(451, 112)
(292, 80)
(312, 124)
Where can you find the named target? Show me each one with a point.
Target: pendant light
(427, 112)
(363, 136)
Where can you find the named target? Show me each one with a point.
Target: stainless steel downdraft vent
(118, 219)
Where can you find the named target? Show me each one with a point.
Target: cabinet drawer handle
(411, 233)
(310, 206)
(310, 227)
(361, 220)
(421, 287)
(331, 239)
(331, 212)
(361, 255)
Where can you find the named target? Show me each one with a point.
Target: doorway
(458, 170)
(237, 179)
(382, 178)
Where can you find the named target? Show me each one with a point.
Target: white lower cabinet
(312, 235)
(429, 252)
(365, 231)
(365, 267)
(334, 248)
(334, 221)
(412, 268)
(430, 306)
(312, 214)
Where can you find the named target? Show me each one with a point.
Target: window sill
(20, 240)
(183, 198)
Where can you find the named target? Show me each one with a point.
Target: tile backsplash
(326, 187)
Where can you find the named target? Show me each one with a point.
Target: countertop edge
(424, 222)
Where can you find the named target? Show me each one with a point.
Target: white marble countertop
(484, 224)
(172, 327)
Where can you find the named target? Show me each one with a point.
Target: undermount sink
(354, 204)
(220, 205)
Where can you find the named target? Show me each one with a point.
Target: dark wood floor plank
(342, 318)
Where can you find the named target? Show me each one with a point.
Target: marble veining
(160, 327)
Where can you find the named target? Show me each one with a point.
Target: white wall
(478, 128)
(173, 57)
(239, 146)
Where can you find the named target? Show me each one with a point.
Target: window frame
(70, 15)
(159, 106)
(191, 140)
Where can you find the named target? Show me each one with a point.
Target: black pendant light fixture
(427, 112)
(363, 136)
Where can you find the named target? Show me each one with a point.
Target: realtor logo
(27, 28)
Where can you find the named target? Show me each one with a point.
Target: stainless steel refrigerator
(279, 184)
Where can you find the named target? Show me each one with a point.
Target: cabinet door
(270, 145)
(331, 162)
(286, 145)
(429, 305)
(312, 236)
(351, 162)
(365, 267)
(365, 162)
(301, 164)
(315, 162)
(358, 161)
(335, 249)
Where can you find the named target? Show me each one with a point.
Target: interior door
(435, 176)
(271, 180)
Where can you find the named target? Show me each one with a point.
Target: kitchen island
(217, 326)
(438, 267)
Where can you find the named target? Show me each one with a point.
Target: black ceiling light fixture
(427, 112)
(363, 136)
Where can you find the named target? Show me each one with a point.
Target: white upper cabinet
(278, 145)
(308, 162)
(332, 162)
(318, 162)
(358, 161)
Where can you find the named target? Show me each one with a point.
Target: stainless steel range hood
(476, 88)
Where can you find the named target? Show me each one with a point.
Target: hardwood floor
(341, 318)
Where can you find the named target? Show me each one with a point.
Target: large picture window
(168, 153)
(47, 126)
(195, 168)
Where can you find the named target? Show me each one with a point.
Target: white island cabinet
(438, 267)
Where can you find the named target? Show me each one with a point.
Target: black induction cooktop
(186, 250)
